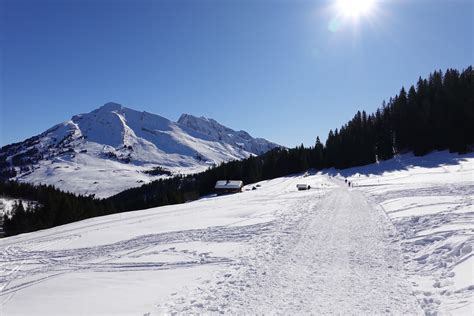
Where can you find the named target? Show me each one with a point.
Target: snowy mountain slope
(240, 139)
(113, 148)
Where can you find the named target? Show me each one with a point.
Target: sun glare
(354, 8)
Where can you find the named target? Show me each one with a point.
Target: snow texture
(239, 139)
(430, 201)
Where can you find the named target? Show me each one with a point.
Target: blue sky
(277, 69)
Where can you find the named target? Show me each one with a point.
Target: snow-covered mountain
(218, 131)
(114, 148)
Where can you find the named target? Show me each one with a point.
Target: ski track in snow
(337, 255)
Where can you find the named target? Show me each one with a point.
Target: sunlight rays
(352, 12)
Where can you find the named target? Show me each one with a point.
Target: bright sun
(354, 8)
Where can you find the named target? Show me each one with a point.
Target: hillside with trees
(436, 114)
(52, 208)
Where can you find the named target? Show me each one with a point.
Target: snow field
(313, 260)
(270, 250)
(135, 254)
(430, 201)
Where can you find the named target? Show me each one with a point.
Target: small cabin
(302, 187)
(228, 186)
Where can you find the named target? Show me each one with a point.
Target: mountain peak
(111, 106)
(184, 118)
(114, 147)
(221, 133)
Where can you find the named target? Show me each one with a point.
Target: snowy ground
(329, 250)
(129, 263)
(430, 202)
(334, 255)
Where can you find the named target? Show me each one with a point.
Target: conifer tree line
(436, 114)
(275, 163)
(51, 207)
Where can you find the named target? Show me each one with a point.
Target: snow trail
(340, 256)
(354, 259)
